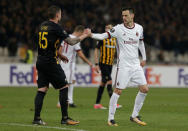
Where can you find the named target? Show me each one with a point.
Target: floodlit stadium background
(165, 31)
(166, 41)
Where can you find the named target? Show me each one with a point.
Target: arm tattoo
(72, 41)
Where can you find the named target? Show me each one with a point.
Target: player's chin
(125, 22)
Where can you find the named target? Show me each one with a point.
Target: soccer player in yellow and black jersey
(107, 49)
(49, 38)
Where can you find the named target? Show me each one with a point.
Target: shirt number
(65, 49)
(42, 37)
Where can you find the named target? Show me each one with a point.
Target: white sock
(112, 106)
(139, 101)
(70, 93)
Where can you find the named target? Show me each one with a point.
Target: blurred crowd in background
(164, 21)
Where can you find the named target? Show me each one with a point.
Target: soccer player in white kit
(129, 37)
(69, 68)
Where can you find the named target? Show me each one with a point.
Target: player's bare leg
(138, 105)
(38, 105)
(63, 99)
(112, 106)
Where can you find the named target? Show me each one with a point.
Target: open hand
(90, 64)
(87, 32)
(64, 59)
(97, 69)
(143, 63)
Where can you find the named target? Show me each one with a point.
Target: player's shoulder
(138, 26)
(50, 26)
(45, 23)
(118, 26)
(115, 28)
(49, 23)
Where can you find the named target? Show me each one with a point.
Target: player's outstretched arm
(99, 36)
(73, 41)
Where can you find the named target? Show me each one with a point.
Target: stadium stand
(164, 24)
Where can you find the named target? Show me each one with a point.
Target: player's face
(58, 15)
(80, 33)
(108, 27)
(127, 16)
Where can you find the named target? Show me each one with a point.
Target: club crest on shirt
(137, 34)
(112, 30)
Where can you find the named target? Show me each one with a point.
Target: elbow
(72, 41)
(80, 55)
(68, 42)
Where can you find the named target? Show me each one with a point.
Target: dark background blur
(164, 21)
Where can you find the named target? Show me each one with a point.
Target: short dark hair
(52, 11)
(79, 28)
(130, 9)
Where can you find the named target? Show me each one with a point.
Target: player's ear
(56, 15)
(132, 15)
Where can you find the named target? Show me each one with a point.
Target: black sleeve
(99, 44)
(62, 33)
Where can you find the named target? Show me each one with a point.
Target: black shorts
(106, 71)
(50, 73)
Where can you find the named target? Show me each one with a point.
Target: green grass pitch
(165, 109)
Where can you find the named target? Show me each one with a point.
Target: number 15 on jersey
(43, 42)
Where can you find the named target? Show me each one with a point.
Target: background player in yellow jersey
(107, 49)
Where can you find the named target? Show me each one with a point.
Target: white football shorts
(69, 70)
(127, 75)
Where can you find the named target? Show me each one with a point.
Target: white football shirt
(70, 51)
(127, 43)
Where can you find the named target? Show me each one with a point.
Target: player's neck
(54, 20)
(129, 25)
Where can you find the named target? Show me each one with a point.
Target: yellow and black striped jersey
(107, 51)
